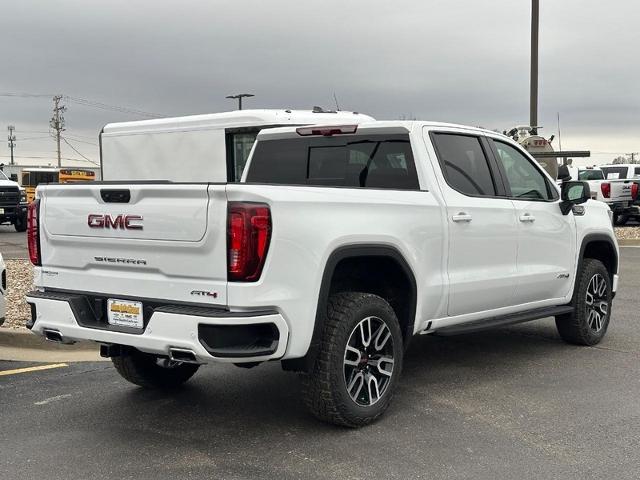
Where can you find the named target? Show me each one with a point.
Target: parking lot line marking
(32, 369)
(53, 399)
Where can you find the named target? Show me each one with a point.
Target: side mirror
(563, 173)
(573, 193)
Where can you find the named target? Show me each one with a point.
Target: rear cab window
(613, 173)
(358, 161)
(590, 175)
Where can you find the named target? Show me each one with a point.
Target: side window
(464, 164)
(241, 144)
(525, 180)
(636, 172)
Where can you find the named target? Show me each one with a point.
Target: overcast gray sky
(458, 61)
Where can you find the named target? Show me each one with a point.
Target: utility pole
(533, 102)
(12, 140)
(57, 123)
(240, 96)
(633, 156)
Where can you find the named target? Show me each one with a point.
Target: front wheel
(592, 300)
(151, 371)
(359, 362)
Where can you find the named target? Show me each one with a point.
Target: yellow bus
(32, 177)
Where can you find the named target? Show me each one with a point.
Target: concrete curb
(22, 345)
(628, 242)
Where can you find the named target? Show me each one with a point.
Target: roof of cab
(237, 118)
(389, 126)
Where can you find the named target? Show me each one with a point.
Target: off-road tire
(620, 220)
(574, 327)
(20, 224)
(142, 369)
(324, 386)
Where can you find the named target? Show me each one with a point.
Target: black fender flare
(341, 253)
(598, 237)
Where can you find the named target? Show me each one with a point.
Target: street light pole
(533, 102)
(240, 96)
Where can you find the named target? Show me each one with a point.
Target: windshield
(590, 175)
(3, 176)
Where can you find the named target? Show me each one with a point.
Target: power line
(76, 150)
(116, 108)
(33, 138)
(87, 103)
(25, 95)
(82, 141)
(48, 158)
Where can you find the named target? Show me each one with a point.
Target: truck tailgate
(621, 190)
(139, 240)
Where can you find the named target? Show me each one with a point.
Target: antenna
(336, 100)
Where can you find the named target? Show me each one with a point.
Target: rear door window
(464, 164)
(365, 161)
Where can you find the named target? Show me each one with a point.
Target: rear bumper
(212, 335)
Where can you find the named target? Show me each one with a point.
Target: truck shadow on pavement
(224, 398)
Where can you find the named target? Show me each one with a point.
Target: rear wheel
(152, 371)
(620, 219)
(359, 362)
(592, 299)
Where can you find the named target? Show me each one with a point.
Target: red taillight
(326, 131)
(634, 190)
(33, 238)
(605, 187)
(248, 236)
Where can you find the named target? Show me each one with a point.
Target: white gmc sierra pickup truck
(339, 245)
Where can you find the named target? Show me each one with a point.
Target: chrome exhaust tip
(55, 336)
(182, 355)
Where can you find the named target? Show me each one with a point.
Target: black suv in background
(13, 203)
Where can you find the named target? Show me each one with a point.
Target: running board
(502, 321)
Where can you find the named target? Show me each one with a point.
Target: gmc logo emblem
(124, 222)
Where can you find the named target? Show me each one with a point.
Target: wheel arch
(358, 252)
(600, 247)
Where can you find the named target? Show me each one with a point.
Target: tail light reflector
(634, 191)
(248, 237)
(605, 187)
(33, 235)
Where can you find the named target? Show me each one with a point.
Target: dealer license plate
(124, 313)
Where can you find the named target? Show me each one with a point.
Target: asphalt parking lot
(510, 403)
(13, 244)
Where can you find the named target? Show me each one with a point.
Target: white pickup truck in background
(611, 187)
(339, 245)
(626, 173)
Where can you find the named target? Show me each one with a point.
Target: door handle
(527, 217)
(461, 217)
